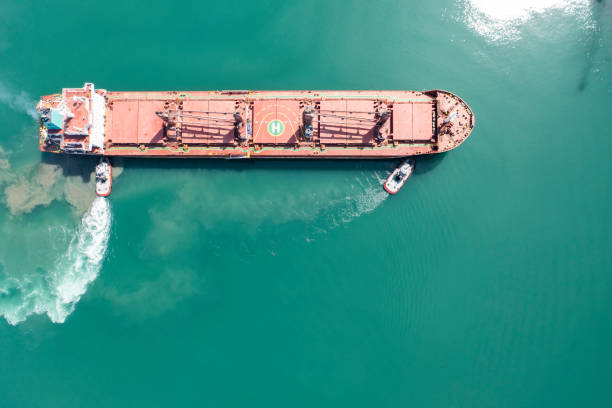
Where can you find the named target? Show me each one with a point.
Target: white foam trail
(21, 101)
(57, 293)
(82, 261)
(371, 196)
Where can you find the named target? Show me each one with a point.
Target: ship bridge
(74, 121)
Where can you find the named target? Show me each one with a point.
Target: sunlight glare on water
(502, 21)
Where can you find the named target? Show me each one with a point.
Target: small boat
(396, 180)
(104, 177)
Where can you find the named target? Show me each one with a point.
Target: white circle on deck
(276, 127)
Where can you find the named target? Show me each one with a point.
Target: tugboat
(104, 177)
(396, 180)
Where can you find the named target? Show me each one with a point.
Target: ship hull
(253, 124)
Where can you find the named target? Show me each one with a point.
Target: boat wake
(370, 196)
(57, 292)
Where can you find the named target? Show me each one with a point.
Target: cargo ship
(240, 124)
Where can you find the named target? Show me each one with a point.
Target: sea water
(484, 282)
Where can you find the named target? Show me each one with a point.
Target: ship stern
(73, 122)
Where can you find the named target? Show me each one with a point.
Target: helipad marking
(276, 127)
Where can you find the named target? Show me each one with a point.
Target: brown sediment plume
(5, 168)
(41, 184)
(117, 167)
(29, 192)
(79, 193)
(4, 163)
(47, 175)
(23, 197)
(154, 297)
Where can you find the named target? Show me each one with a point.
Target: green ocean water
(484, 283)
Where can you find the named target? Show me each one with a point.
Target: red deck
(346, 123)
(285, 112)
